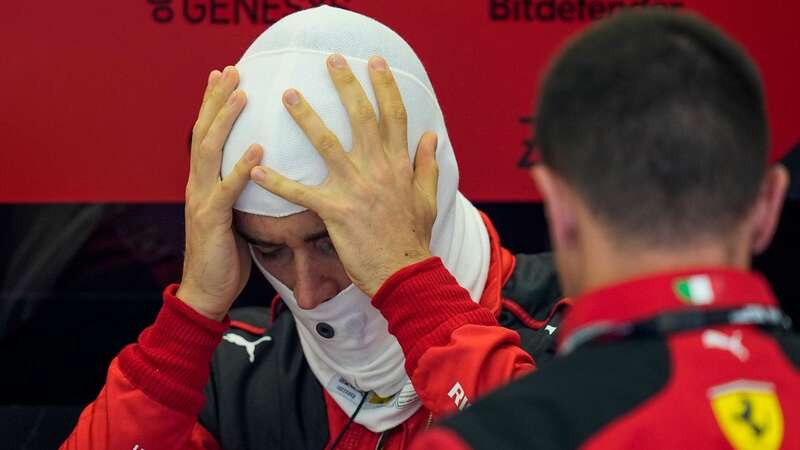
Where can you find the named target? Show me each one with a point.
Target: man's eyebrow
(254, 241)
(262, 243)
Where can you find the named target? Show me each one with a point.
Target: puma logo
(236, 339)
(733, 343)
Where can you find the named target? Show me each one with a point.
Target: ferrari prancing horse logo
(749, 414)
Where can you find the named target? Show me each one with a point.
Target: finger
(216, 98)
(213, 79)
(233, 184)
(207, 155)
(297, 193)
(394, 120)
(363, 122)
(323, 139)
(426, 169)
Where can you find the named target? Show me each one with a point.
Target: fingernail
(377, 63)
(234, 97)
(252, 154)
(213, 75)
(258, 174)
(226, 73)
(292, 97)
(336, 61)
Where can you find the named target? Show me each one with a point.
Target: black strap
(678, 321)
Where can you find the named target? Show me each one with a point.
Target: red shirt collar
(646, 297)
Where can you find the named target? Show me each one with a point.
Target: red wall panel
(98, 97)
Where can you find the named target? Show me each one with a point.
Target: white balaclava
(345, 339)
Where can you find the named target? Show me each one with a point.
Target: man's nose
(311, 287)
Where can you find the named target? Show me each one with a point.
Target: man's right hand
(216, 264)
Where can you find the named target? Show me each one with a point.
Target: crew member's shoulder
(569, 401)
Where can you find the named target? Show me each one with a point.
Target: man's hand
(379, 210)
(216, 264)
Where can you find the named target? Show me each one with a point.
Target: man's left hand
(378, 208)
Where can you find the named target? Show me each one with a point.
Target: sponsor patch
(406, 397)
(749, 414)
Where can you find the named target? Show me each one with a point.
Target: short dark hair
(658, 121)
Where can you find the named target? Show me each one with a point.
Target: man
(321, 370)
(654, 141)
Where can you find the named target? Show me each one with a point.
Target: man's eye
(326, 246)
(271, 255)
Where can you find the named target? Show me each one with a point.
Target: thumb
(426, 169)
(233, 184)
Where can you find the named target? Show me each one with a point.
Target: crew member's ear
(560, 207)
(766, 212)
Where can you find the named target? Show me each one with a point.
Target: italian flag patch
(695, 290)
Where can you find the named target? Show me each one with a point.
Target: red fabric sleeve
(455, 349)
(154, 388)
(438, 438)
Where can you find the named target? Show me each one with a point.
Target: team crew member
(321, 369)
(654, 172)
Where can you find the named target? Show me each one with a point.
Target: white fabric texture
(291, 54)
